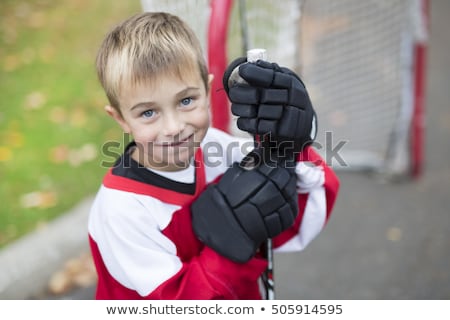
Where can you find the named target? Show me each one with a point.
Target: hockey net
(362, 62)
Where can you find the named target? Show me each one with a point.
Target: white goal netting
(355, 57)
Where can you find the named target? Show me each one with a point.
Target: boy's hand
(274, 101)
(246, 207)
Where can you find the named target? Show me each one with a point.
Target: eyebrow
(179, 95)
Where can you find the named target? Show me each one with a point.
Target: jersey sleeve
(317, 187)
(135, 258)
(128, 240)
(210, 276)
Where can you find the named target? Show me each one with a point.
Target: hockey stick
(267, 278)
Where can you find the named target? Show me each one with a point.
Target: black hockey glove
(273, 102)
(246, 207)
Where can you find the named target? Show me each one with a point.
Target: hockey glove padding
(244, 209)
(273, 101)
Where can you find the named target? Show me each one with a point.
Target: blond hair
(144, 47)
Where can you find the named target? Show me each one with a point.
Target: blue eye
(186, 101)
(148, 113)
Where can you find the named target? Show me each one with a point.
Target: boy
(170, 221)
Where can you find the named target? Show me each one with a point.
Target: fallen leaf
(58, 115)
(59, 154)
(39, 199)
(85, 153)
(14, 138)
(394, 234)
(11, 63)
(23, 10)
(5, 154)
(59, 283)
(84, 279)
(36, 19)
(88, 152)
(78, 117)
(76, 272)
(47, 53)
(35, 100)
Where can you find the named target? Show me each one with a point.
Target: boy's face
(168, 119)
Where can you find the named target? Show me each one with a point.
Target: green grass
(52, 123)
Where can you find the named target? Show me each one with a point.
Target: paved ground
(388, 241)
(384, 241)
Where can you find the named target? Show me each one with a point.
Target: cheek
(201, 118)
(145, 134)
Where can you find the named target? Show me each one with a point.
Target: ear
(117, 116)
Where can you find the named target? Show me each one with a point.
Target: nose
(173, 124)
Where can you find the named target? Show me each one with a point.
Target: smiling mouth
(177, 142)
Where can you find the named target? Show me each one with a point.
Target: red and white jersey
(141, 235)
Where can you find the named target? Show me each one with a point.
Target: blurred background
(52, 123)
(385, 240)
